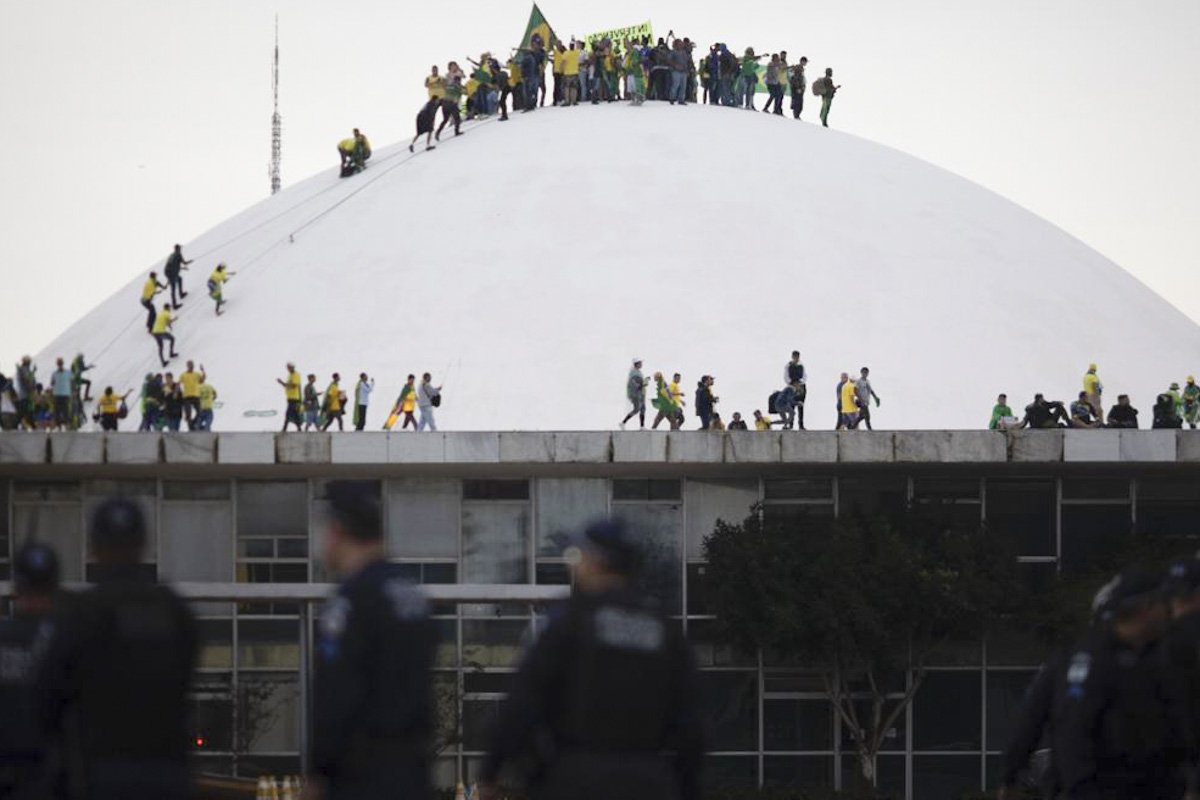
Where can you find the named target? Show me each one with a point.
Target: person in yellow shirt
(108, 408)
(435, 84)
(354, 153)
(189, 382)
(334, 403)
(149, 290)
(216, 284)
(557, 69)
(761, 423)
(848, 418)
(291, 390)
(207, 397)
(571, 74)
(677, 398)
(162, 333)
(1094, 389)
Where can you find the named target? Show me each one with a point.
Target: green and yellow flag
(538, 25)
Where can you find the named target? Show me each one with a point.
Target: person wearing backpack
(429, 397)
(109, 408)
(799, 84)
(825, 89)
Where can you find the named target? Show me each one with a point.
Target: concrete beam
(303, 448)
(1035, 446)
(753, 447)
(76, 448)
(417, 448)
(1187, 445)
(24, 447)
(808, 447)
(1147, 446)
(534, 447)
(473, 447)
(189, 448)
(246, 448)
(359, 448)
(866, 447)
(1091, 446)
(951, 447)
(582, 447)
(695, 447)
(132, 448)
(639, 447)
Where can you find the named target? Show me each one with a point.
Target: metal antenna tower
(276, 120)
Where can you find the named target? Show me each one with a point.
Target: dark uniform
(373, 705)
(119, 666)
(604, 706)
(1181, 648)
(1032, 732)
(1116, 730)
(24, 640)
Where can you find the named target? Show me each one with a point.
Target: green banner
(618, 35)
(785, 79)
(537, 24)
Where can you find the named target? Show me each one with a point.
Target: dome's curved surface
(532, 260)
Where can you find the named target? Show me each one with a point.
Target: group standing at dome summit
(606, 71)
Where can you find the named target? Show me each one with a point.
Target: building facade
(496, 508)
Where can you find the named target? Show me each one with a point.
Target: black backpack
(771, 403)
(436, 400)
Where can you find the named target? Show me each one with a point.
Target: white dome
(531, 260)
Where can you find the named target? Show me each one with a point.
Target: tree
(859, 600)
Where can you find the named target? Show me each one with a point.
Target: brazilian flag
(538, 25)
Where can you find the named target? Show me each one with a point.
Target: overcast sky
(130, 125)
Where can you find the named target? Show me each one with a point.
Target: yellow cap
(1092, 367)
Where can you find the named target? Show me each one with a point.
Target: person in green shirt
(749, 76)
(1003, 418)
(1191, 402)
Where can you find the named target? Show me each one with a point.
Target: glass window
(479, 719)
(659, 528)
(799, 515)
(699, 600)
(212, 713)
(216, 643)
(731, 709)
(1167, 507)
(946, 711)
(874, 495)
(272, 509)
(197, 542)
(723, 773)
(893, 737)
(945, 777)
(711, 650)
(798, 489)
(272, 643)
(45, 491)
(423, 516)
(477, 682)
(1092, 488)
(493, 642)
(552, 574)
(108, 489)
(708, 501)
(430, 573)
(1025, 512)
(794, 724)
(564, 507)
(945, 488)
(495, 489)
(798, 772)
(196, 490)
(1090, 534)
(268, 718)
(889, 773)
(58, 526)
(495, 543)
(641, 489)
(446, 654)
(1005, 691)
(1012, 646)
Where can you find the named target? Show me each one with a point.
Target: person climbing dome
(425, 118)
(173, 271)
(151, 288)
(216, 284)
(825, 89)
(450, 103)
(162, 333)
(435, 84)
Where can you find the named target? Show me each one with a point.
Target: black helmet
(118, 524)
(355, 506)
(1183, 577)
(610, 539)
(1132, 588)
(36, 568)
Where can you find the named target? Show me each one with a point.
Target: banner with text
(618, 35)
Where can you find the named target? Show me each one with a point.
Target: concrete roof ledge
(639, 447)
(190, 448)
(866, 447)
(582, 447)
(132, 448)
(1145, 446)
(24, 447)
(246, 448)
(475, 447)
(1091, 446)
(951, 447)
(1035, 446)
(808, 447)
(695, 447)
(753, 447)
(303, 448)
(1187, 445)
(76, 448)
(359, 448)
(416, 448)
(526, 448)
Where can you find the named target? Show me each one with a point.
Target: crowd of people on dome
(1172, 408)
(311, 409)
(604, 71)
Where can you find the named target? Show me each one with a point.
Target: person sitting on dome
(1123, 415)
(1082, 413)
(1166, 414)
(737, 423)
(716, 424)
(1003, 418)
(1191, 402)
(1043, 414)
(354, 153)
(761, 423)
